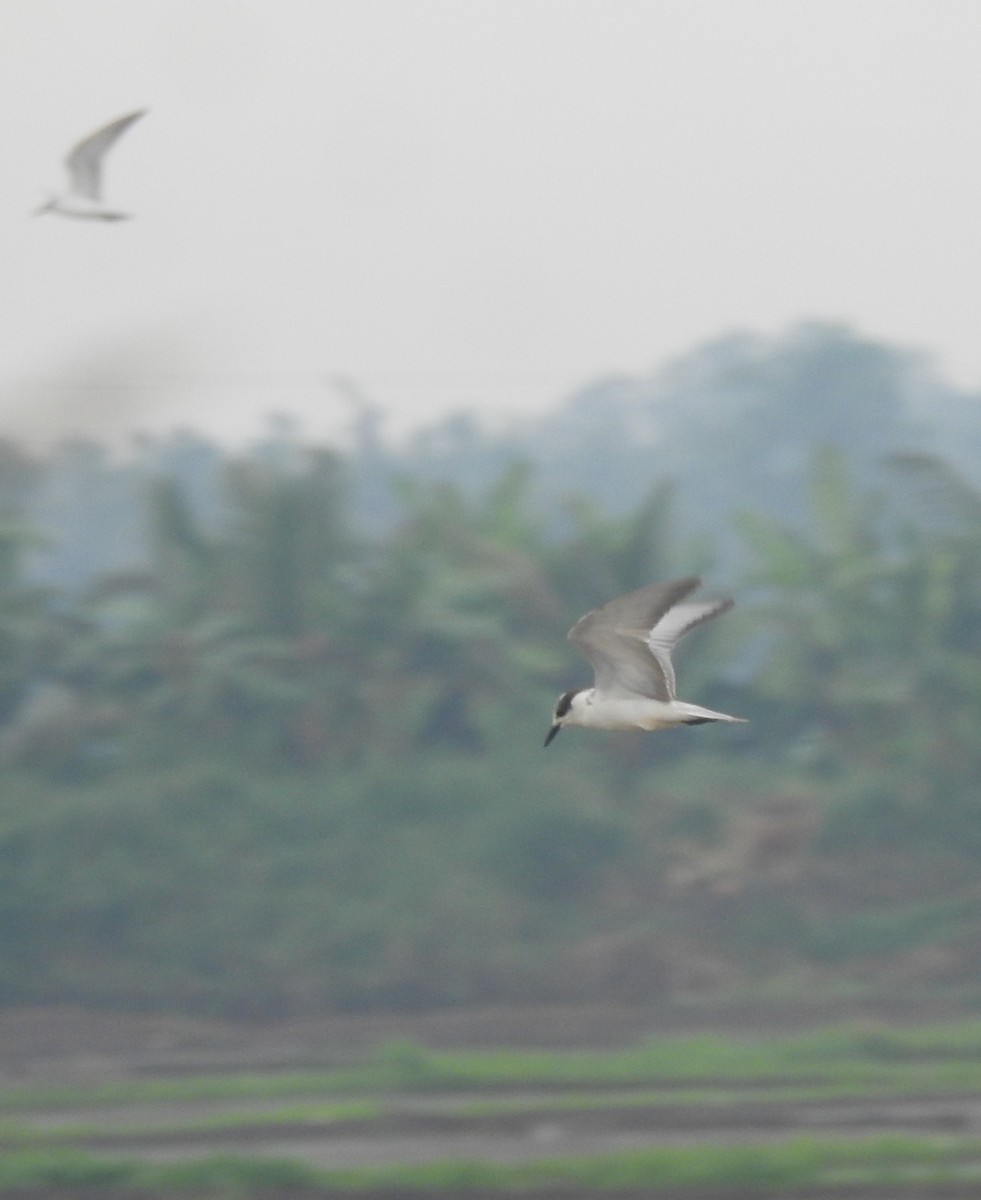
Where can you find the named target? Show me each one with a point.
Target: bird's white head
(565, 711)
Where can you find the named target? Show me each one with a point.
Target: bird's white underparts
(629, 642)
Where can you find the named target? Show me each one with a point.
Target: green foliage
(286, 766)
(65, 1170)
(796, 1163)
(852, 1058)
(552, 853)
(406, 1066)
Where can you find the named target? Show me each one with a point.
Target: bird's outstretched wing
(84, 161)
(616, 638)
(673, 626)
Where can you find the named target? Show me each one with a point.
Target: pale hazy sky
(472, 203)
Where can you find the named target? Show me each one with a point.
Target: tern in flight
(84, 162)
(629, 642)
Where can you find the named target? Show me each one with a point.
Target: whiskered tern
(629, 642)
(84, 162)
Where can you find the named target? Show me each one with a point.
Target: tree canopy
(285, 758)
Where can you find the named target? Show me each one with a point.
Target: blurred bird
(84, 162)
(629, 642)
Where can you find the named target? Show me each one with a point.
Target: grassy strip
(13, 1135)
(847, 1057)
(321, 1117)
(799, 1162)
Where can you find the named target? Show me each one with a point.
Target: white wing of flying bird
(672, 627)
(629, 643)
(84, 163)
(616, 640)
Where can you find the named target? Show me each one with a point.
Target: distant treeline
(731, 425)
(288, 757)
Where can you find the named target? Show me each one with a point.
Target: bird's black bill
(552, 732)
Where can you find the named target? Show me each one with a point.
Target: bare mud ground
(67, 1043)
(44, 1046)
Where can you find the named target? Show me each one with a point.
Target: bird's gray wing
(84, 161)
(673, 626)
(615, 639)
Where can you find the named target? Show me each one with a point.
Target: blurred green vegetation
(706, 1080)
(287, 766)
(899, 1163)
(847, 1059)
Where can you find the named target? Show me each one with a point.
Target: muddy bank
(46, 1043)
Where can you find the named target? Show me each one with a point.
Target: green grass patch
(851, 1058)
(318, 1115)
(798, 1162)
